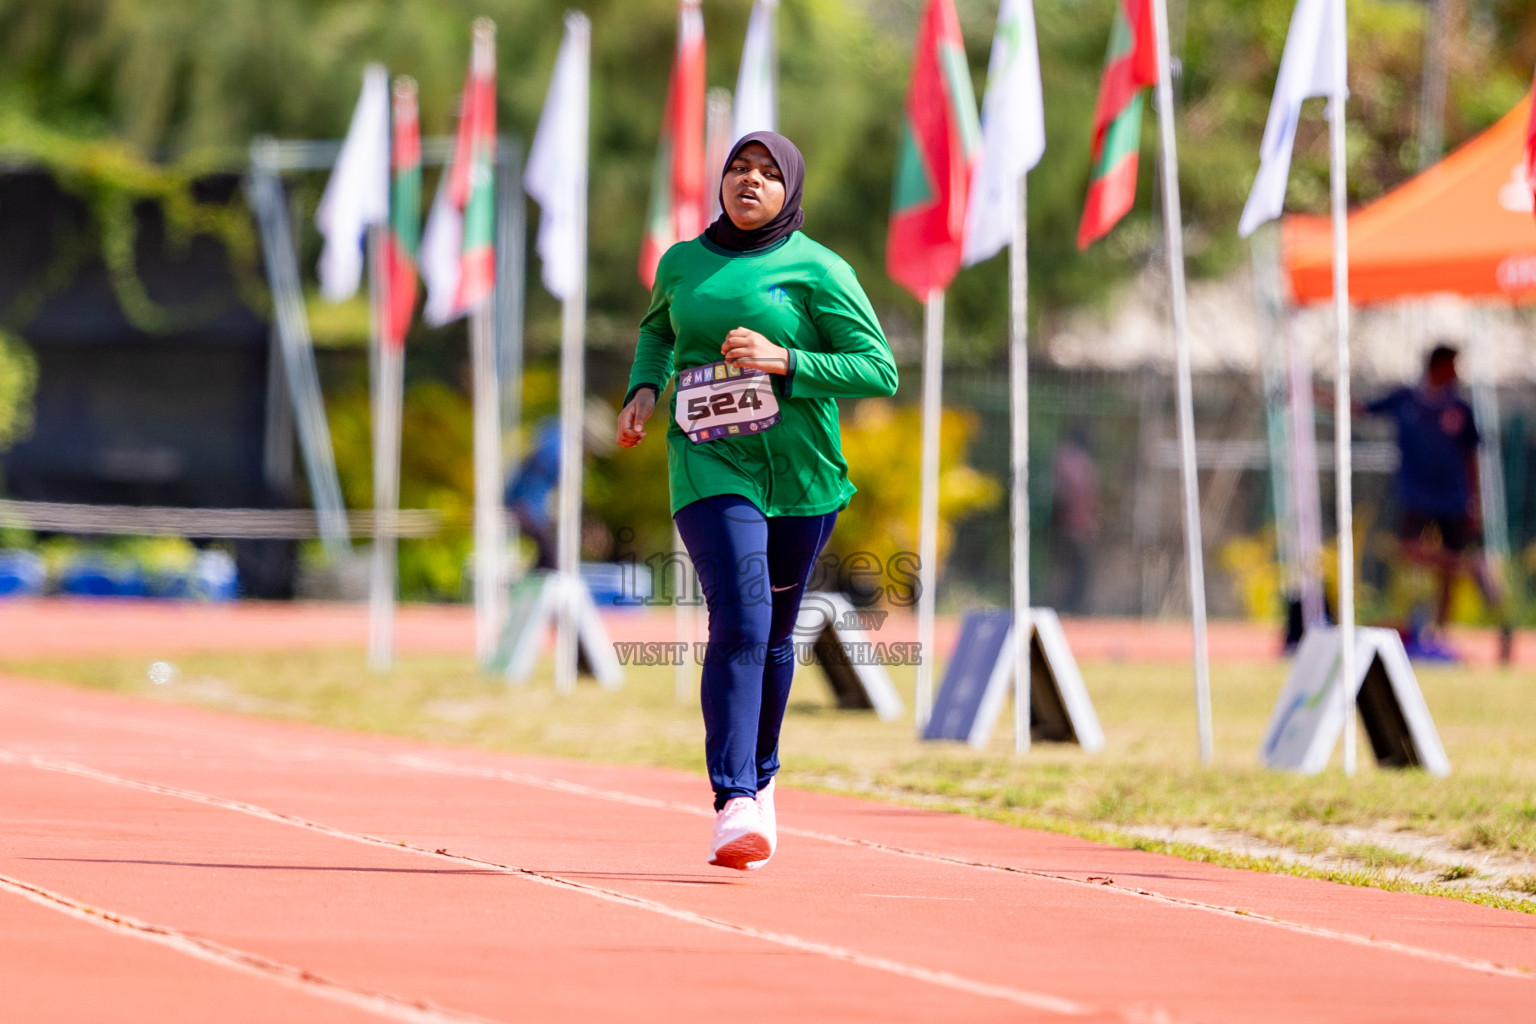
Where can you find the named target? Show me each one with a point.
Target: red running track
(167, 863)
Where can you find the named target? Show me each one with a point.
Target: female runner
(765, 329)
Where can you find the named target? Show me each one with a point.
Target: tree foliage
(126, 101)
(189, 82)
(18, 379)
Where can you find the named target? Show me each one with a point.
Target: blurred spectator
(1075, 486)
(530, 488)
(1437, 487)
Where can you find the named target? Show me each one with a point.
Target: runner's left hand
(749, 350)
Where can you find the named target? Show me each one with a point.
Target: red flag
(678, 202)
(940, 137)
(1129, 68)
(403, 236)
(1530, 148)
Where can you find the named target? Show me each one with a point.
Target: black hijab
(724, 233)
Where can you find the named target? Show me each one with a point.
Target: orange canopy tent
(1462, 227)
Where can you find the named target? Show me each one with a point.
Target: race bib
(717, 400)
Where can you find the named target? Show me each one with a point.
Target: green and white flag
(556, 176)
(1012, 131)
(1307, 69)
(757, 81)
(357, 194)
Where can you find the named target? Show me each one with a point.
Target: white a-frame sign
(537, 600)
(980, 676)
(1309, 718)
(846, 646)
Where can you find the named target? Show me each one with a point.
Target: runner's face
(752, 191)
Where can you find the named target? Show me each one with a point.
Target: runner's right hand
(632, 419)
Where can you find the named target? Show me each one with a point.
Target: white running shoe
(739, 841)
(770, 822)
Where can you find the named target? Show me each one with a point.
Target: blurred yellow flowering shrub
(882, 442)
(436, 472)
(1250, 561)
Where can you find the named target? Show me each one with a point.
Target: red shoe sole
(738, 853)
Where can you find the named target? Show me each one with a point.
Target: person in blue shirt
(537, 478)
(1437, 482)
(528, 491)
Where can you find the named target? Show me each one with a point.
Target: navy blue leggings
(754, 570)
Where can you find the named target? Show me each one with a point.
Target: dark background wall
(172, 412)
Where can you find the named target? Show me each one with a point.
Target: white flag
(358, 193)
(556, 176)
(1012, 131)
(1306, 70)
(442, 243)
(756, 88)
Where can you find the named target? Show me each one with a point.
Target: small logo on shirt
(778, 293)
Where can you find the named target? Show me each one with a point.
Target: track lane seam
(581, 789)
(615, 796)
(381, 1004)
(1238, 913)
(558, 785)
(945, 979)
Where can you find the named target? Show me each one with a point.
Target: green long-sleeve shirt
(799, 295)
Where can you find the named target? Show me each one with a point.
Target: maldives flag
(1129, 68)
(940, 136)
(403, 236)
(458, 248)
(678, 202)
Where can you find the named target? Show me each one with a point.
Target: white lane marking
(1238, 913)
(902, 896)
(379, 1003)
(557, 785)
(1020, 997)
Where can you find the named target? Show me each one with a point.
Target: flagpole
(1304, 485)
(387, 382)
(490, 530)
(1344, 483)
(1173, 229)
(511, 242)
(928, 517)
(489, 515)
(573, 309)
(1264, 251)
(717, 142)
(1018, 364)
